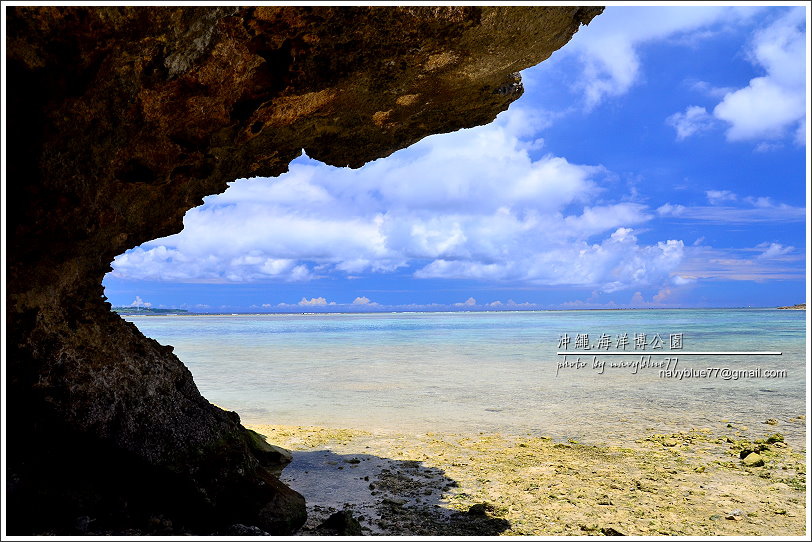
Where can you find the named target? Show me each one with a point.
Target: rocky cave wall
(120, 119)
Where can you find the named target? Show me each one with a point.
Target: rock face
(120, 119)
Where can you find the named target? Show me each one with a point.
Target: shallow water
(495, 371)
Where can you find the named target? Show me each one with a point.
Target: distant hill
(799, 307)
(147, 310)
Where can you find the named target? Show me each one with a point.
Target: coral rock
(120, 119)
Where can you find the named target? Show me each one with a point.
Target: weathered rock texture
(119, 121)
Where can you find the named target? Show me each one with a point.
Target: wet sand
(687, 483)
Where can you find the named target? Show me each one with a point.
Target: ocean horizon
(185, 312)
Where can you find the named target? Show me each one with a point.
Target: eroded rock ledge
(119, 121)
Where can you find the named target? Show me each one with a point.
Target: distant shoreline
(181, 312)
(148, 311)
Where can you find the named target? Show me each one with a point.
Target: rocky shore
(723, 480)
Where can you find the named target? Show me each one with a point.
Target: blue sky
(657, 160)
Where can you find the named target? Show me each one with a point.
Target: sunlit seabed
(490, 372)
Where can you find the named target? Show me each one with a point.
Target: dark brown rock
(120, 119)
(341, 524)
(273, 458)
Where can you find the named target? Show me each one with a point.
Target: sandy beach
(703, 481)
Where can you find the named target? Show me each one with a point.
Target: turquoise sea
(500, 371)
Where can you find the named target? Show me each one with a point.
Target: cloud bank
(475, 204)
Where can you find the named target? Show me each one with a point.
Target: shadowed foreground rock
(119, 121)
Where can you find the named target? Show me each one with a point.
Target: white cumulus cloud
(475, 204)
(138, 302)
(773, 250)
(314, 302)
(695, 119)
(773, 105)
(608, 46)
